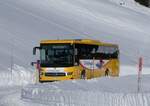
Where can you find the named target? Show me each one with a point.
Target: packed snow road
(96, 92)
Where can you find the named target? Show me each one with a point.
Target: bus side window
(76, 51)
(76, 56)
(43, 54)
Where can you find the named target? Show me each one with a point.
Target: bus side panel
(113, 67)
(76, 71)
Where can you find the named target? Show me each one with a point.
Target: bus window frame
(71, 63)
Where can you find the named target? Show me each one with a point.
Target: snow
(11, 97)
(131, 4)
(91, 92)
(132, 70)
(19, 76)
(23, 23)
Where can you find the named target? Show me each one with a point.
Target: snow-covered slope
(23, 23)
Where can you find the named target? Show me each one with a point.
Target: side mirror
(32, 63)
(34, 50)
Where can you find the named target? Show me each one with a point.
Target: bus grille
(55, 74)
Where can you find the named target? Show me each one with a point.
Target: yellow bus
(76, 59)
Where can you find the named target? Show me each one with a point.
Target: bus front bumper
(56, 78)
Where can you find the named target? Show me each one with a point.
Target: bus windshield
(56, 55)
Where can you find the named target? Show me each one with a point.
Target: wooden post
(140, 66)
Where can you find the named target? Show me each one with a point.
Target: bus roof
(77, 41)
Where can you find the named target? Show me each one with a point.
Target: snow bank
(18, 76)
(95, 92)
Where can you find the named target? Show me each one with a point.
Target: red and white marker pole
(140, 66)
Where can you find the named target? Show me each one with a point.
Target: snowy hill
(23, 23)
